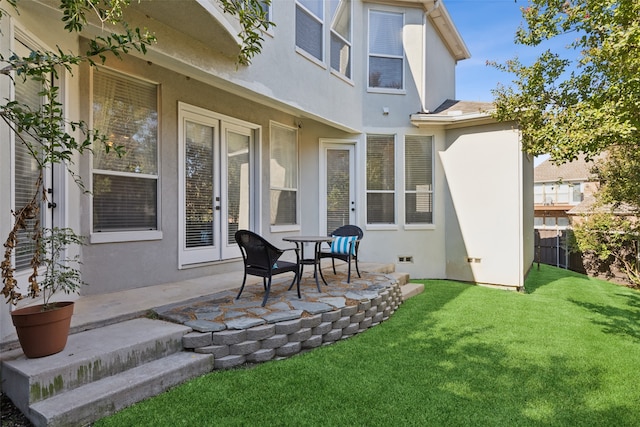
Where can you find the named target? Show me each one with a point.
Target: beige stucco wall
(485, 205)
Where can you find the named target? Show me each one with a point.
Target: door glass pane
(199, 185)
(237, 184)
(338, 197)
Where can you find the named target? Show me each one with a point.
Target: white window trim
(282, 228)
(133, 235)
(390, 91)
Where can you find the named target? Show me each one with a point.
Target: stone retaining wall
(234, 347)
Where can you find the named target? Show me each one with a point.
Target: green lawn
(566, 353)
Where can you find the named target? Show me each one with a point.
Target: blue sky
(488, 28)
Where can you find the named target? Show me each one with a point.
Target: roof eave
(423, 120)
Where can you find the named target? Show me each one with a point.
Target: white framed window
(381, 179)
(340, 47)
(418, 179)
(125, 189)
(283, 175)
(386, 51)
(310, 27)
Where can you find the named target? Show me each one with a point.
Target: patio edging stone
(287, 332)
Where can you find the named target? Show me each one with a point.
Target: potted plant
(57, 272)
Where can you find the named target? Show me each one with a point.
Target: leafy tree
(608, 243)
(584, 98)
(41, 129)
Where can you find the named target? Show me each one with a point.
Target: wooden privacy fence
(551, 248)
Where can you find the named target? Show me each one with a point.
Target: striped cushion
(341, 244)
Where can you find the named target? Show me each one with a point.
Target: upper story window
(386, 53)
(312, 34)
(310, 26)
(266, 7)
(557, 193)
(381, 182)
(340, 12)
(125, 189)
(283, 172)
(418, 179)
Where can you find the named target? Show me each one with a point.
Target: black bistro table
(315, 261)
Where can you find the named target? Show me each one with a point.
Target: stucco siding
(484, 218)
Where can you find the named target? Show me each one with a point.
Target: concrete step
(90, 356)
(411, 290)
(402, 278)
(99, 399)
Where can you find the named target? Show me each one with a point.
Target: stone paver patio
(241, 331)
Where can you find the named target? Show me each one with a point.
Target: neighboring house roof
(588, 206)
(577, 170)
(454, 111)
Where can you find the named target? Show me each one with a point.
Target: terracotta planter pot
(42, 333)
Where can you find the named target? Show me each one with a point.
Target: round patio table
(315, 261)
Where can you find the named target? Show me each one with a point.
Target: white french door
(215, 184)
(337, 184)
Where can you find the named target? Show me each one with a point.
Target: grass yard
(566, 353)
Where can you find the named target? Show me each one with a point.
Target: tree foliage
(586, 97)
(609, 243)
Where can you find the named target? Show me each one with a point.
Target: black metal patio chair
(261, 258)
(345, 250)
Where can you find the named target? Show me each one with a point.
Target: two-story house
(345, 117)
(559, 189)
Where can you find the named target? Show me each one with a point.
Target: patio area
(241, 331)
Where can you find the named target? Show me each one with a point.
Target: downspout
(436, 5)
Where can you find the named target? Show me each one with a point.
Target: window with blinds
(125, 189)
(418, 178)
(381, 179)
(386, 52)
(26, 171)
(309, 27)
(340, 12)
(283, 174)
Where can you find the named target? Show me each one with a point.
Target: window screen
(309, 24)
(380, 179)
(386, 53)
(125, 189)
(341, 36)
(418, 172)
